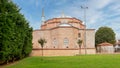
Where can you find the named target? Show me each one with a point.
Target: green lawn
(83, 61)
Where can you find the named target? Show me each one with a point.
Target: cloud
(36, 3)
(98, 4)
(100, 12)
(59, 2)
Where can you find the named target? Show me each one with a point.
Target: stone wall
(105, 49)
(90, 38)
(61, 52)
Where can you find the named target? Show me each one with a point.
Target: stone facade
(105, 48)
(61, 35)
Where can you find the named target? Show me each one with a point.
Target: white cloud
(59, 2)
(100, 12)
(36, 3)
(98, 4)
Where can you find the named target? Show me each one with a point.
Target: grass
(83, 61)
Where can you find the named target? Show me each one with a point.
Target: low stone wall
(60, 52)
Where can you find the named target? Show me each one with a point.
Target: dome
(63, 21)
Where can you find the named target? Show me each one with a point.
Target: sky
(99, 13)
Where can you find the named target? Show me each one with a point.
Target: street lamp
(84, 9)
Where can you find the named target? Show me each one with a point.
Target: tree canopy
(15, 33)
(105, 34)
(42, 42)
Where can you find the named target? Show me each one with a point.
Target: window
(66, 42)
(54, 42)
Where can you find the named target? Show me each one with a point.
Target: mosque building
(62, 34)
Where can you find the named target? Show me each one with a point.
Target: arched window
(55, 43)
(66, 42)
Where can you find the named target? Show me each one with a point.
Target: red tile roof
(105, 44)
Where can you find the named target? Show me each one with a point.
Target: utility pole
(84, 9)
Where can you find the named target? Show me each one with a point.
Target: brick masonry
(56, 35)
(60, 52)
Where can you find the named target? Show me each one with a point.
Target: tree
(79, 42)
(104, 34)
(42, 42)
(15, 33)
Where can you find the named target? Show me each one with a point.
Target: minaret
(63, 15)
(43, 16)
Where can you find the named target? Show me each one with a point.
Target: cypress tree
(15, 33)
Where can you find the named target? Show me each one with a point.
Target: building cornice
(62, 27)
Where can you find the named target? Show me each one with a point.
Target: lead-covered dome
(63, 22)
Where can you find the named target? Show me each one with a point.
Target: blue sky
(99, 12)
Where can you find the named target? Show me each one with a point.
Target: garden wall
(60, 52)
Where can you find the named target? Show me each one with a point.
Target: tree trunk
(13, 60)
(79, 49)
(7, 62)
(42, 53)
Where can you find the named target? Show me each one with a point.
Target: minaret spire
(63, 15)
(43, 16)
(43, 12)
